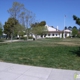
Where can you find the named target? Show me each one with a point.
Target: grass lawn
(54, 53)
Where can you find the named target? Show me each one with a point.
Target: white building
(56, 33)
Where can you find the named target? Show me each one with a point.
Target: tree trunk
(11, 37)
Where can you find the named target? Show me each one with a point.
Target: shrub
(30, 37)
(24, 38)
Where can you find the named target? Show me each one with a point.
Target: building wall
(57, 35)
(60, 35)
(52, 35)
(67, 35)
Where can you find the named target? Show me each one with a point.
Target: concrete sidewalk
(9, 71)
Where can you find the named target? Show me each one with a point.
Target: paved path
(9, 71)
(8, 41)
(12, 40)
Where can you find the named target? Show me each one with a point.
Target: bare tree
(16, 9)
(26, 18)
(30, 18)
(22, 18)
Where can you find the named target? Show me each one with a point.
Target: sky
(51, 11)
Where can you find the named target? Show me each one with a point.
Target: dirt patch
(69, 43)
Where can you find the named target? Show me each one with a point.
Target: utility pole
(64, 26)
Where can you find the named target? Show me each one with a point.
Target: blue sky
(52, 11)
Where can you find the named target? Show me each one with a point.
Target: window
(56, 34)
(48, 34)
(52, 34)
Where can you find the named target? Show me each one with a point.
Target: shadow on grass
(76, 52)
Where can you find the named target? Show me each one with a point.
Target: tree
(75, 27)
(74, 31)
(65, 27)
(39, 28)
(42, 23)
(74, 17)
(70, 28)
(77, 20)
(30, 18)
(1, 30)
(79, 29)
(26, 19)
(24, 16)
(9, 27)
(19, 30)
(16, 10)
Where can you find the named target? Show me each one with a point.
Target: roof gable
(51, 28)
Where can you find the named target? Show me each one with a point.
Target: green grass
(45, 52)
